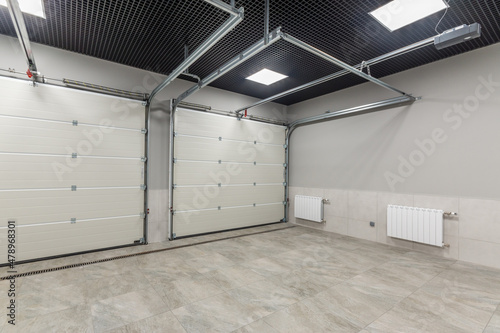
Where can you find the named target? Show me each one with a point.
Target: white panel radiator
(420, 225)
(309, 208)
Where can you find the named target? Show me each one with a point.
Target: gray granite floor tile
(300, 318)
(357, 304)
(185, 291)
(421, 313)
(45, 281)
(268, 266)
(266, 296)
(233, 277)
(220, 313)
(300, 283)
(77, 319)
(163, 322)
(49, 300)
(106, 287)
(259, 326)
(494, 323)
(122, 310)
(210, 262)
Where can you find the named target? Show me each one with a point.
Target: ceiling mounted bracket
(24, 40)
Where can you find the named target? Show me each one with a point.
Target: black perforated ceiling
(151, 35)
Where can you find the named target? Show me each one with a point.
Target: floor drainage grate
(48, 270)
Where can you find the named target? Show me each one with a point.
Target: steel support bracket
(144, 130)
(144, 159)
(143, 187)
(73, 220)
(74, 155)
(73, 188)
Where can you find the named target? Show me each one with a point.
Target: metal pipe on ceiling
(373, 107)
(274, 36)
(387, 56)
(266, 23)
(106, 90)
(22, 35)
(230, 8)
(340, 63)
(236, 16)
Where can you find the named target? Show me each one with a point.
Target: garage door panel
(58, 103)
(212, 197)
(208, 221)
(56, 138)
(40, 129)
(228, 173)
(50, 240)
(186, 173)
(202, 149)
(211, 125)
(55, 172)
(53, 206)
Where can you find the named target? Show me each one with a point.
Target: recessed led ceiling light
(399, 13)
(266, 77)
(32, 7)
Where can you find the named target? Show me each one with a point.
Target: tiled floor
(289, 280)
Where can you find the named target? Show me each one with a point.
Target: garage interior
(151, 183)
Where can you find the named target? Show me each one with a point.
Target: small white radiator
(309, 208)
(420, 225)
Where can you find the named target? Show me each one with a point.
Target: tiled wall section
(474, 235)
(158, 216)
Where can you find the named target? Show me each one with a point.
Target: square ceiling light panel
(32, 7)
(266, 76)
(399, 13)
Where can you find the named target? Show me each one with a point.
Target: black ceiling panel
(151, 35)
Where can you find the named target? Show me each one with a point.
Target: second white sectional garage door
(228, 173)
(71, 170)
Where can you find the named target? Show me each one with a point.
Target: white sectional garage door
(71, 170)
(228, 173)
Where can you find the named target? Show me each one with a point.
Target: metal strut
(382, 58)
(236, 16)
(22, 35)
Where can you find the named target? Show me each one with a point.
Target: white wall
(58, 64)
(441, 152)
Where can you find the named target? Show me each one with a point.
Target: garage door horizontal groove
(228, 162)
(229, 207)
(70, 156)
(229, 185)
(70, 189)
(71, 123)
(41, 224)
(226, 139)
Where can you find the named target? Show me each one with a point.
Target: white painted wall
(58, 64)
(441, 152)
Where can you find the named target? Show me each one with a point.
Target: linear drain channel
(41, 271)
